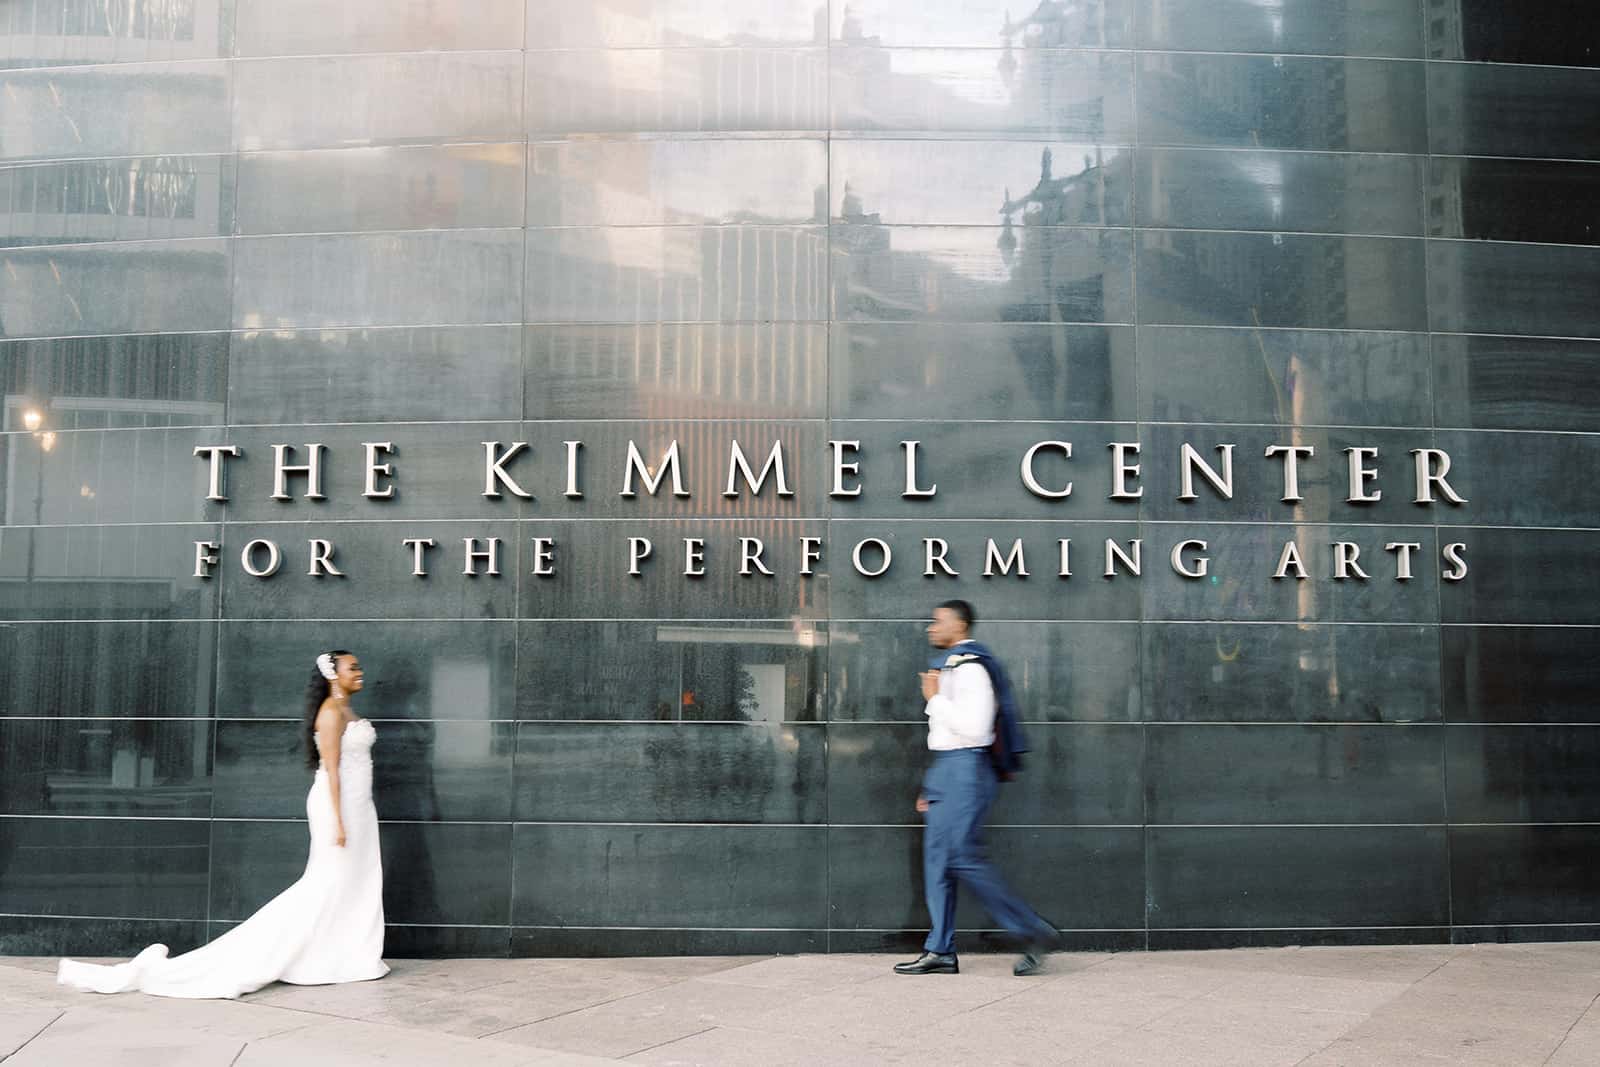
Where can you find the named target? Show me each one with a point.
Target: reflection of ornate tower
(1445, 29)
(1049, 286)
(1076, 200)
(1037, 80)
(864, 276)
(850, 27)
(1446, 39)
(1058, 24)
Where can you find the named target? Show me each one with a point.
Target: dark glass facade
(1358, 224)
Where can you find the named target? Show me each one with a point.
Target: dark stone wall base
(598, 941)
(34, 935)
(1331, 936)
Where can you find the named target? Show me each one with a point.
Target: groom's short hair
(963, 611)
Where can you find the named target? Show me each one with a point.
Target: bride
(328, 926)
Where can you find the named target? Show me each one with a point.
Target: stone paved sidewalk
(1487, 1004)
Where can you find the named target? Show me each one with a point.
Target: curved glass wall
(1319, 227)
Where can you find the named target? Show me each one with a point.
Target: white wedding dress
(327, 927)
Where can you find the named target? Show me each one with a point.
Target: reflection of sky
(1274, 10)
(968, 252)
(935, 23)
(719, 180)
(1266, 173)
(969, 76)
(682, 22)
(629, 71)
(651, 249)
(680, 181)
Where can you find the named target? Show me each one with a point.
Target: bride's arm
(330, 730)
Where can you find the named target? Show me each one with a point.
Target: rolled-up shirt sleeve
(961, 713)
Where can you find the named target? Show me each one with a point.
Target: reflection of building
(1268, 101)
(722, 313)
(55, 484)
(758, 674)
(865, 247)
(81, 766)
(81, 142)
(103, 384)
(111, 199)
(106, 113)
(65, 32)
(53, 564)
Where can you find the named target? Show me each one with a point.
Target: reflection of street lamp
(1008, 239)
(33, 419)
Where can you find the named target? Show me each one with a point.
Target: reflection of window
(152, 20)
(140, 188)
(738, 674)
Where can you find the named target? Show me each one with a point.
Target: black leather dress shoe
(1031, 961)
(930, 963)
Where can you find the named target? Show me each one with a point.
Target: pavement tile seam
(987, 1004)
(1160, 1050)
(450, 1001)
(643, 983)
(669, 1041)
(1442, 965)
(841, 971)
(1502, 1007)
(1462, 1044)
(866, 1047)
(475, 988)
(586, 1007)
(287, 1030)
(1560, 1057)
(87, 1036)
(35, 1035)
(1331, 1055)
(1568, 1034)
(302, 1011)
(1314, 1053)
(1363, 997)
(1148, 1023)
(382, 1038)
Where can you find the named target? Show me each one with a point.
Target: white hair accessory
(326, 668)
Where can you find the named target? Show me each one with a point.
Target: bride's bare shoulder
(329, 717)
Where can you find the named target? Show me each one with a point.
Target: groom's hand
(930, 684)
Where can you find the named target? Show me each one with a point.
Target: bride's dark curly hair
(316, 692)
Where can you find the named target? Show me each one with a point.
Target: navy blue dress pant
(959, 787)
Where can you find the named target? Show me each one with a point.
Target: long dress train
(326, 928)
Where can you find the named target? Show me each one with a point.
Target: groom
(976, 741)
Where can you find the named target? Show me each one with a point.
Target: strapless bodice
(355, 746)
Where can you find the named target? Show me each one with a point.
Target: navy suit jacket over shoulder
(1009, 741)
